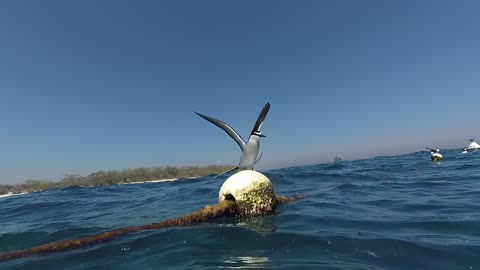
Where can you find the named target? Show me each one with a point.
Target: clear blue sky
(101, 85)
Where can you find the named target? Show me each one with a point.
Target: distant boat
(435, 154)
(473, 145)
(337, 159)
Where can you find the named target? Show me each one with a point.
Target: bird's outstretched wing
(228, 129)
(260, 119)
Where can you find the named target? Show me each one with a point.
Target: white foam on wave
(12, 194)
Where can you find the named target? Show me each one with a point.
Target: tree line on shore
(115, 177)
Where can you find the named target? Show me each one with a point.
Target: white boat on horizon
(473, 145)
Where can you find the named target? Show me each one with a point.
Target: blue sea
(388, 212)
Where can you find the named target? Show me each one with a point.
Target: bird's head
(258, 133)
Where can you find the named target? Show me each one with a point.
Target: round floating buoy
(251, 191)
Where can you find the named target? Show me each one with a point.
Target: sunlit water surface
(400, 212)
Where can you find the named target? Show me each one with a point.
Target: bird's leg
(231, 170)
(261, 154)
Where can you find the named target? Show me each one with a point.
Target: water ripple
(399, 212)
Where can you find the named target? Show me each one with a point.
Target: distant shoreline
(102, 178)
(131, 183)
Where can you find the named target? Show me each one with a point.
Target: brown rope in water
(207, 213)
(224, 208)
(283, 199)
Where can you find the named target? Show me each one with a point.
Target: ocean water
(395, 212)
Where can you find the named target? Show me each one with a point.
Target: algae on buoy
(252, 192)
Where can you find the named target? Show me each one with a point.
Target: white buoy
(251, 190)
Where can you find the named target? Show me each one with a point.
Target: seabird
(473, 145)
(249, 148)
(435, 154)
(465, 151)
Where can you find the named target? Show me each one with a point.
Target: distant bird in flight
(249, 148)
